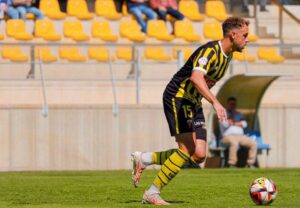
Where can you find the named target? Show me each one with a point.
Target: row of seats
(102, 54)
(128, 29)
(106, 8)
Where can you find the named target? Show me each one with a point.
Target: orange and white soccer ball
(263, 191)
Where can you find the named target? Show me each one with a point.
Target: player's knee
(199, 157)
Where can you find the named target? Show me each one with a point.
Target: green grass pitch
(191, 188)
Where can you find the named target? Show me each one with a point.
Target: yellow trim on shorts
(175, 113)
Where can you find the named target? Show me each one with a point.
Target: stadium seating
(213, 30)
(73, 29)
(79, 9)
(13, 53)
(190, 10)
(269, 54)
(158, 29)
(131, 30)
(156, 53)
(107, 9)
(187, 52)
(16, 28)
(101, 29)
(44, 53)
(124, 53)
(45, 29)
(71, 53)
(184, 29)
(252, 37)
(97, 53)
(216, 9)
(243, 56)
(1, 37)
(51, 9)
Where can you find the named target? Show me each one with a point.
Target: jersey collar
(219, 42)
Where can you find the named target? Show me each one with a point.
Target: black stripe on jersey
(215, 76)
(201, 52)
(225, 68)
(210, 55)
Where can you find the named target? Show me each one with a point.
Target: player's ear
(232, 35)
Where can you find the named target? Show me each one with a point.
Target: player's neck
(226, 46)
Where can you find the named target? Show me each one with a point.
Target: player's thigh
(179, 114)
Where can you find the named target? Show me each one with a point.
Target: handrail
(286, 11)
(45, 106)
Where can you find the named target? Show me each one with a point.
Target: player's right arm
(201, 66)
(199, 82)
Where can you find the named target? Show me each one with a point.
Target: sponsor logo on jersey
(189, 123)
(210, 83)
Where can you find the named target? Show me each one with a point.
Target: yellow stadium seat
(44, 53)
(1, 37)
(13, 53)
(79, 9)
(45, 29)
(213, 30)
(51, 9)
(131, 30)
(270, 54)
(190, 10)
(252, 37)
(107, 9)
(99, 53)
(124, 53)
(73, 29)
(184, 29)
(187, 52)
(16, 28)
(243, 56)
(71, 53)
(156, 53)
(101, 29)
(158, 29)
(216, 9)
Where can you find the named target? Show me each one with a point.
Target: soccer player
(183, 108)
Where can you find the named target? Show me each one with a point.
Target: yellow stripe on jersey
(181, 92)
(175, 115)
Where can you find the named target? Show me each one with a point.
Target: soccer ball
(263, 191)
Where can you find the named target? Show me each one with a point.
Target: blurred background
(81, 83)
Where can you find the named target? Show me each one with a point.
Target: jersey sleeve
(205, 60)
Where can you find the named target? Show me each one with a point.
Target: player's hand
(221, 112)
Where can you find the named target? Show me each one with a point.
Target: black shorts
(184, 116)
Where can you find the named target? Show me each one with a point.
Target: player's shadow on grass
(140, 201)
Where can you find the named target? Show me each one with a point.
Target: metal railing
(136, 64)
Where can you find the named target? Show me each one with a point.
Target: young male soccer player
(183, 109)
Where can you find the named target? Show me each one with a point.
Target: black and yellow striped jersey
(211, 60)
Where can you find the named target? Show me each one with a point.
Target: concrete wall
(89, 137)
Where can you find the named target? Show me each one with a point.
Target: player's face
(240, 38)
